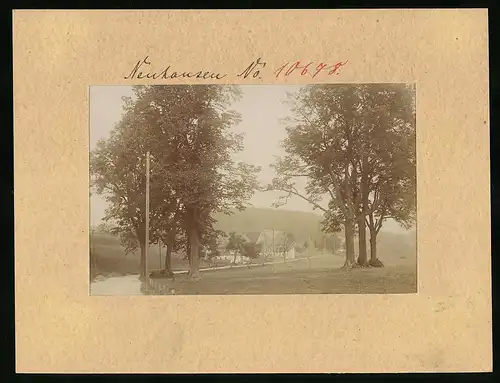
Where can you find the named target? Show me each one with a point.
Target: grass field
(319, 275)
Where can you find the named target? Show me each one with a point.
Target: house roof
(253, 236)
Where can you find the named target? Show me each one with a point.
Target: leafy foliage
(186, 129)
(252, 250)
(117, 169)
(235, 242)
(355, 147)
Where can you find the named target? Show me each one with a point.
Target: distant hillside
(301, 224)
(394, 246)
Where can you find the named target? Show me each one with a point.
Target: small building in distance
(273, 243)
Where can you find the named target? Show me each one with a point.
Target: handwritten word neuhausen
(166, 73)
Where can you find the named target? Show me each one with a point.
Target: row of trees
(328, 242)
(355, 147)
(186, 129)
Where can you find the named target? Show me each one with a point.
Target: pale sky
(261, 107)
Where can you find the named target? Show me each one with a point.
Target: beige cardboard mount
(445, 327)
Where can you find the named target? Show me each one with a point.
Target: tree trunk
(349, 244)
(350, 182)
(374, 261)
(188, 243)
(193, 244)
(373, 245)
(363, 256)
(168, 255)
(194, 253)
(168, 260)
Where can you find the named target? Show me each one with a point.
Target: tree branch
(294, 191)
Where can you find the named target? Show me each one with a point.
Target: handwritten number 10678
(308, 69)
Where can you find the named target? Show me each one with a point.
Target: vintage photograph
(253, 189)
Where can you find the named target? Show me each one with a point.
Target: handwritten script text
(255, 70)
(166, 73)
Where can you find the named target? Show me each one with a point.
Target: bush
(251, 250)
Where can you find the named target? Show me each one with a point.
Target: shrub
(251, 250)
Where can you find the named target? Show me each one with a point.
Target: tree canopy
(355, 147)
(187, 130)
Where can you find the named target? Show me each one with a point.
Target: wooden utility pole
(146, 273)
(159, 251)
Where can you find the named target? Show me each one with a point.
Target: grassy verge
(301, 277)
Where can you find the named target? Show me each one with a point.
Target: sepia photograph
(253, 189)
(316, 201)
